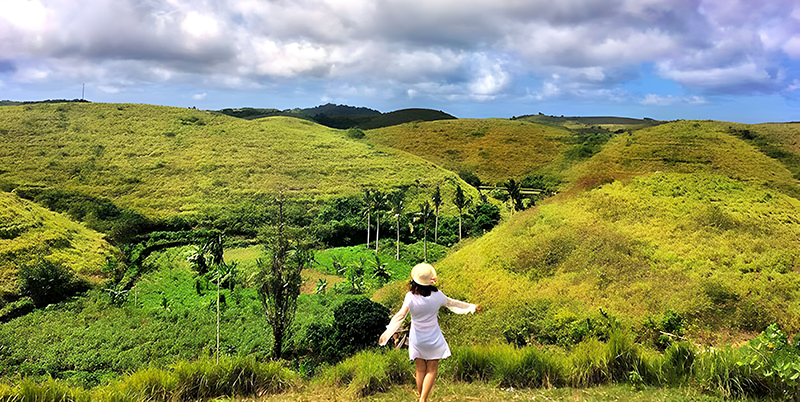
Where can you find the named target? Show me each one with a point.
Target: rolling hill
(163, 161)
(493, 149)
(684, 147)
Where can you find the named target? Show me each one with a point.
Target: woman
(426, 342)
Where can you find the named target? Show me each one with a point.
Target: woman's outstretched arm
(393, 326)
(460, 307)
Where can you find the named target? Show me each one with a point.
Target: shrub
(355, 132)
(47, 282)
(358, 323)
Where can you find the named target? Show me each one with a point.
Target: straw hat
(423, 274)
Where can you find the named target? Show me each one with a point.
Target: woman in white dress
(426, 342)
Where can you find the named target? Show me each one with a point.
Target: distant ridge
(344, 116)
(330, 109)
(566, 121)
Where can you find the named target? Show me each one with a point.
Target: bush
(357, 325)
(355, 132)
(47, 282)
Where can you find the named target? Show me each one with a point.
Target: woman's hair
(422, 290)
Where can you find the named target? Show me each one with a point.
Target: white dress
(425, 338)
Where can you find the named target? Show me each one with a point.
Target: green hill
(684, 147)
(493, 149)
(721, 253)
(163, 161)
(29, 232)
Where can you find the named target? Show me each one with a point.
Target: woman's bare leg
(422, 369)
(432, 367)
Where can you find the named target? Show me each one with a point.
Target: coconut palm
(425, 214)
(437, 203)
(397, 208)
(462, 202)
(379, 205)
(514, 192)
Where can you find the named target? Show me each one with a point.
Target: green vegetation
(766, 368)
(667, 264)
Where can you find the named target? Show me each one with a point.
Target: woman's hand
(383, 340)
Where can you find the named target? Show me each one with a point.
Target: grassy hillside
(163, 161)
(777, 140)
(723, 254)
(493, 149)
(28, 232)
(610, 123)
(684, 147)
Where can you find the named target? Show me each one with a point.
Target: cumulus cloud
(447, 49)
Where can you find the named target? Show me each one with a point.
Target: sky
(731, 60)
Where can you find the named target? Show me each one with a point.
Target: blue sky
(734, 60)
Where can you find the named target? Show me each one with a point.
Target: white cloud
(658, 100)
(447, 49)
(27, 15)
(199, 96)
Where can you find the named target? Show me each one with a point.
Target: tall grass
(726, 372)
(368, 372)
(49, 390)
(184, 381)
(506, 366)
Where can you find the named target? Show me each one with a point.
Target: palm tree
(437, 203)
(514, 192)
(379, 203)
(369, 205)
(398, 207)
(461, 201)
(425, 213)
